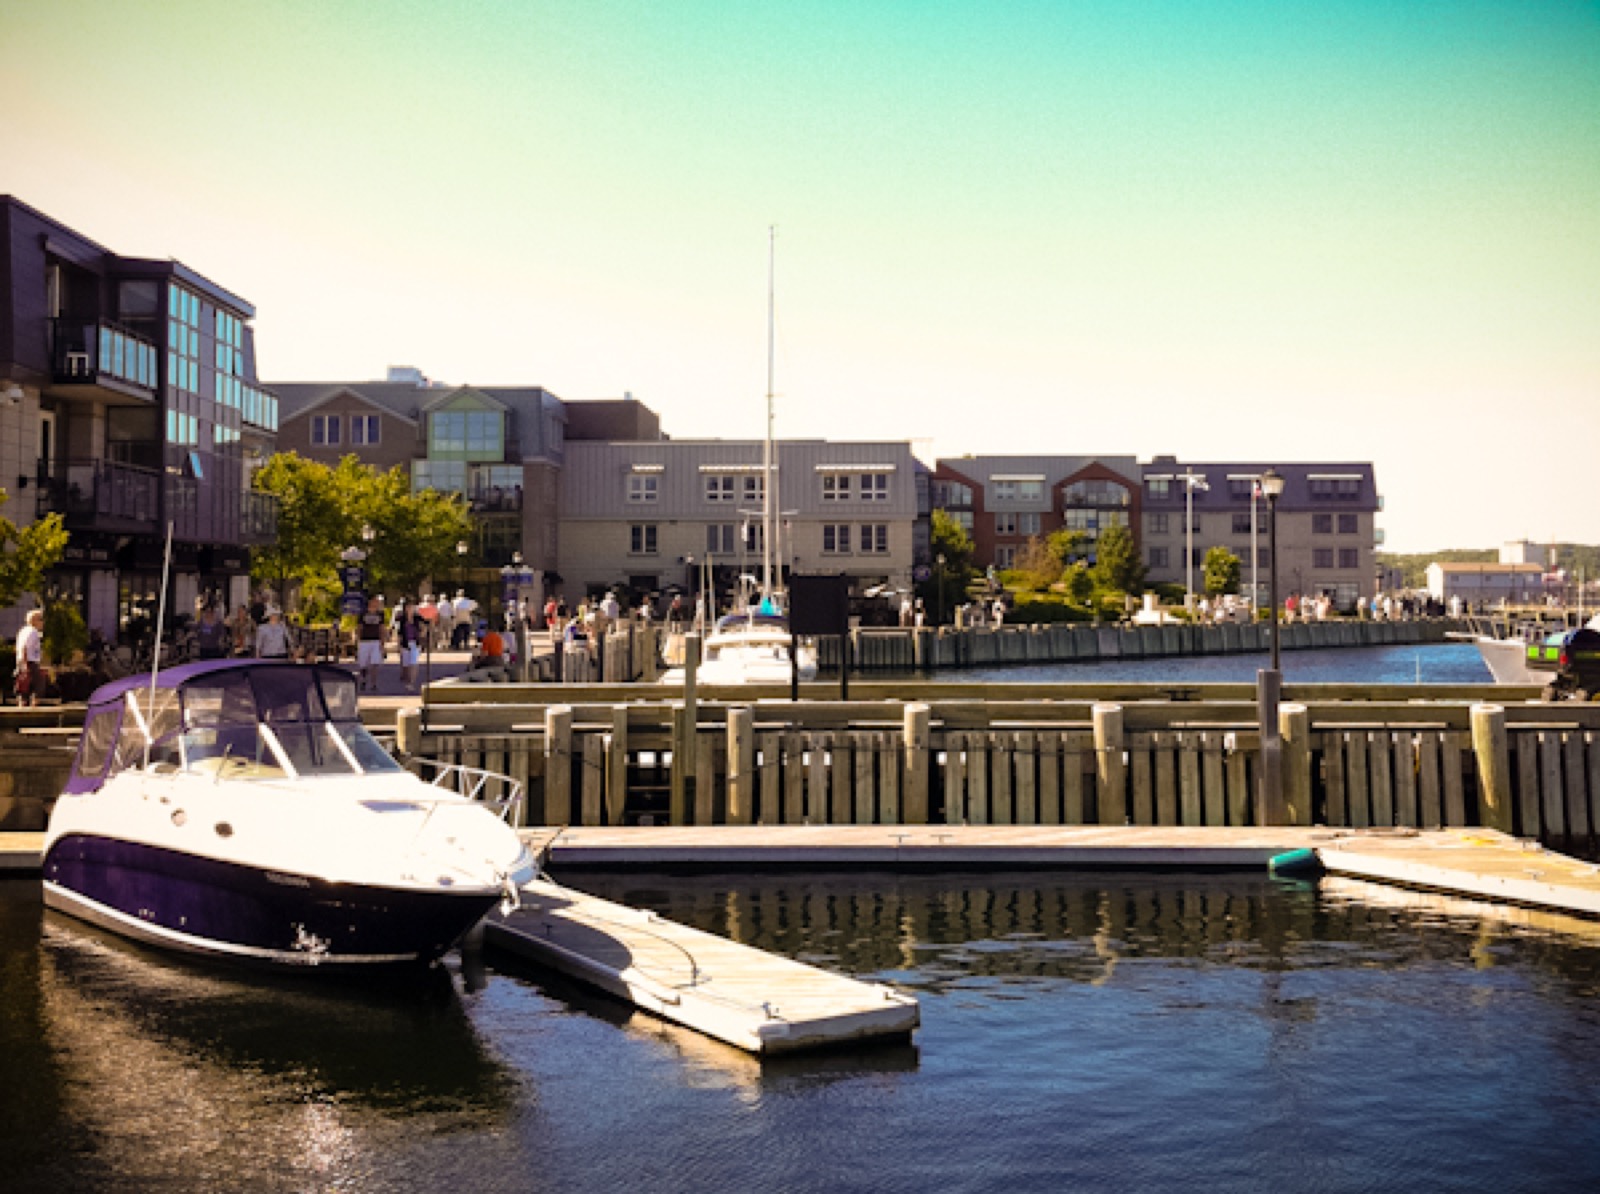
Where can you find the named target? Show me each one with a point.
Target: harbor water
(1090, 1032)
(1431, 663)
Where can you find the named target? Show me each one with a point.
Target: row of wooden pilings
(1532, 770)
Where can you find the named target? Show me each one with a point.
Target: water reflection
(162, 1067)
(1001, 934)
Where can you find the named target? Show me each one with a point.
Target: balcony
(98, 359)
(101, 495)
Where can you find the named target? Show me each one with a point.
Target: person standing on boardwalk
(408, 633)
(30, 659)
(464, 609)
(370, 637)
(272, 636)
(211, 634)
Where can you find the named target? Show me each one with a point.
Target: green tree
(1117, 567)
(1079, 583)
(27, 553)
(1038, 566)
(1068, 547)
(1221, 571)
(323, 511)
(947, 587)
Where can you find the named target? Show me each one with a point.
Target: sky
(1244, 230)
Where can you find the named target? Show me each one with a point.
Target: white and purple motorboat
(239, 809)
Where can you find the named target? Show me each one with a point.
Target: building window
(478, 433)
(719, 538)
(1342, 489)
(874, 487)
(719, 487)
(1348, 524)
(1158, 557)
(1240, 488)
(1263, 557)
(1194, 524)
(183, 339)
(1015, 490)
(875, 538)
(447, 476)
(755, 488)
(1322, 557)
(1242, 524)
(1158, 524)
(363, 429)
(642, 539)
(836, 539)
(1349, 557)
(1005, 524)
(1028, 524)
(1322, 524)
(1158, 488)
(1004, 557)
(963, 519)
(952, 495)
(1095, 493)
(642, 488)
(325, 430)
(836, 487)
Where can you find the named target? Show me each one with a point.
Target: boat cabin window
(99, 737)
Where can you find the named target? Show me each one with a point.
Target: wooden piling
(558, 764)
(1294, 726)
(1111, 770)
(917, 748)
(1493, 755)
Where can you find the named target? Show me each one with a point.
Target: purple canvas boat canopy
(132, 719)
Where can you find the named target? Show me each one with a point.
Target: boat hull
(188, 902)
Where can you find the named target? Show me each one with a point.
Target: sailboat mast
(768, 484)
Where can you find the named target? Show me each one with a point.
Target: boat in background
(1503, 645)
(239, 809)
(753, 644)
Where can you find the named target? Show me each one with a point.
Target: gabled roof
(306, 404)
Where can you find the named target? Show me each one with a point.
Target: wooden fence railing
(1530, 769)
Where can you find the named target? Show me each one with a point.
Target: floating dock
(746, 997)
(1474, 862)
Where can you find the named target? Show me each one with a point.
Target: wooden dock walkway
(747, 997)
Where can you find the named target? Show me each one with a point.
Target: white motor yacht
(240, 809)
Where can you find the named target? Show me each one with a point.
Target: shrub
(64, 632)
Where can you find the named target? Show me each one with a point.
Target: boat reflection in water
(182, 1075)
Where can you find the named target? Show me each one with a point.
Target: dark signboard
(819, 604)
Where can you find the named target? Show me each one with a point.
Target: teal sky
(1272, 231)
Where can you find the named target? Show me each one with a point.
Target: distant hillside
(1574, 557)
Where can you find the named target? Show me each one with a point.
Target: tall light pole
(1191, 482)
(1269, 682)
(939, 591)
(1272, 488)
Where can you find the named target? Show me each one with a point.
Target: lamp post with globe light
(1269, 681)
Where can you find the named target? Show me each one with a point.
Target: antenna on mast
(769, 481)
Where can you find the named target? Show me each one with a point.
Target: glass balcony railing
(85, 351)
(101, 494)
(260, 517)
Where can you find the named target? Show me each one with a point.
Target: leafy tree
(323, 511)
(947, 587)
(1221, 571)
(27, 553)
(1037, 565)
(1068, 547)
(1117, 567)
(1079, 583)
(65, 633)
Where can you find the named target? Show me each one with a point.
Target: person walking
(30, 659)
(464, 608)
(408, 633)
(370, 637)
(211, 634)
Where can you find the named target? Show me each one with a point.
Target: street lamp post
(939, 590)
(1191, 482)
(1272, 487)
(1269, 682)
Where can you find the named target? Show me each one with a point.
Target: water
(1436, 663)
(1144, 1033)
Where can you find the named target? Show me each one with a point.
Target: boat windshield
(330, 748)
(733, 623)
